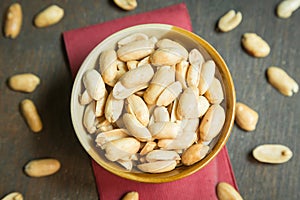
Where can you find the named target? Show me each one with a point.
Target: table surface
(41, 51)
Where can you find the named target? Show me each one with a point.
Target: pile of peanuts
(153, 104)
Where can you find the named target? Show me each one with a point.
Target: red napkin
(200, 185)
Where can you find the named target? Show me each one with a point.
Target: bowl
(189, 41)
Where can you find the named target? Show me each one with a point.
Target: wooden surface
(41, 51)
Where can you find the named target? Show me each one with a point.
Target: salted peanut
(183, 141)
(214, 93)
(126, 4)
(13, 196)
(203, 105)
(49, 16)
(120, 148)
(137, 76)
(13, 21)
(111, 135)
(163, 77)
(103, 125)
(174, 46)
(131, 38)
(135, 128)
(149, 146)
(286, 8)
(190, 124)
(94, 84)
(255, 45)
(135, 50)
(279, 79)
(161, 114)
(164, 130)
(144, 61)
(194, 153)
(131, 196)
(89, 118)
(272, 153)
(158, 166)
(26, 82)
(181, 69)
(132, 64)
(136, 106)
(169, 94)
(157, 155)
(100, 105)
(121, 92)
(245, 117)
(113, 108)
(42, 167)
(230, 21)
(173, 111)
(31, 115)
(206, 76)
(193, 75)
(127, 164)
(188, 101)
(226, 191)
(85, 98)
(212, 122)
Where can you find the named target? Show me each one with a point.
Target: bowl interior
(190, 41)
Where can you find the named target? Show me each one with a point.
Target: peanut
(230, 21)
(245, 117)
(131, 196)
(255, 45)
(31, 115)
(26, 82)
(49, 16)
(226, 191)
(279, 79)
(286, 8)
(13, 21)
(42, 167)
(272, 153)
(126, 4)
(13, 196)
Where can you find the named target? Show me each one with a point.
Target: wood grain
(41, 51)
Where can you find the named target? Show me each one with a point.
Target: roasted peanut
(226, 191)
(214, 93)
(157, 155)
(31, 115)
(272, 153)
(194, 153)
(230, 21)
(245, 117)
(13, 21)
(13, 196)
(158, 166)
(286, 8)
(255, 45)
(26, 82)
(42, 167)
(131, 196)
(279, 79)
(94, 84)
(49, 16)
(126, 4)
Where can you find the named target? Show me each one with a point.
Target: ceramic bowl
(190, 41)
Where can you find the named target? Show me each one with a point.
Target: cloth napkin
(200, 185)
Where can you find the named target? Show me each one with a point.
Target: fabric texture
(200, 185)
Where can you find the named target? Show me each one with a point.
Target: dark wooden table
(42, 52)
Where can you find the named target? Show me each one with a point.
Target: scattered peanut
(13, 21)
(154, 110)
(31, 115)
(131, 196)
(13, 196)
(42, 167)
(26, 82)
(126, 4)
(230, 21)
(286, 8)
(279, 79)
(245, 117)
(255, 45)
(49, 16)
(226, 191)
(272, 153)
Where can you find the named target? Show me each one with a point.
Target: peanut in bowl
(153, 103)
